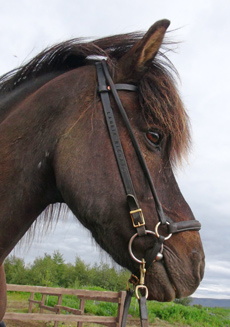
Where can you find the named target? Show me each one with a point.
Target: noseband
(105, 87)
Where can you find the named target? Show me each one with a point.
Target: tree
(41, 272)
(54, 272)
(48, 271)
(16, 272)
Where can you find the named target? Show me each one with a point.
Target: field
(52, 271)
(160, 314)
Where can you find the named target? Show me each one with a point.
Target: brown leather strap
(136, 146)
(143, 311)
(104, 90)
(128, 298)
(142, 308)
(151, 254)
(183, 226)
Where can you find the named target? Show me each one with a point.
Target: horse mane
(66, 56)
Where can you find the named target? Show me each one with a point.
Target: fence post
(42, 302)
(30, 302)
(58, 309)
(82, 308)
(120, 309)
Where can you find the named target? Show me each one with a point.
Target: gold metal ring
(156, 230)
(141, 287)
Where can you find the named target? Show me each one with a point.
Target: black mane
(66, 56)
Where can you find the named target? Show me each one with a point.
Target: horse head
(56, 147)
(88, 176)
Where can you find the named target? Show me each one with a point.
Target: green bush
(54, 272)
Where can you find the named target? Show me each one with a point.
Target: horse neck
(28, 149)
(9, 99)
(27, 181)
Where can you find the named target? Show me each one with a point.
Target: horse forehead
(82, 75)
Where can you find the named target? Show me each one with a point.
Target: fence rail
(76, 315)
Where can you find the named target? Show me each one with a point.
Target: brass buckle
(139, 224)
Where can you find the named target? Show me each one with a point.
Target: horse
(99, 125)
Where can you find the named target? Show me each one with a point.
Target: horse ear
(137, 60)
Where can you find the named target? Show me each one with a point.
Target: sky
(202, 59)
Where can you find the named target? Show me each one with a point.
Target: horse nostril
(198, 257)
(202, 266)
(196, 254)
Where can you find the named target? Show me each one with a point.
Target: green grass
(196, 316)
(192, 316)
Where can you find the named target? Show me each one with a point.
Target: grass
(195, 316)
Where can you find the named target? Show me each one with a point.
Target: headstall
(105, 87)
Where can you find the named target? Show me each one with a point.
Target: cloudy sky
(202, 60)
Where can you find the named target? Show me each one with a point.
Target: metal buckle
(139, 224)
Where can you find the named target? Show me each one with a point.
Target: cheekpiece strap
(104, 89)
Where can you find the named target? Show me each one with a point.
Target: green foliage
(184, 301)
(54, 272)
(198, 306)
(192, 316)
(108, 277)
(47, 271)
(16, 272)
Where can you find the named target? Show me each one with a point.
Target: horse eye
(153, 137)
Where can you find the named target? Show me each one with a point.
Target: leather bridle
(105, 87)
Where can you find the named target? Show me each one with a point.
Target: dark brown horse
(55, 148)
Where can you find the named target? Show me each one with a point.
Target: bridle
(105, 87)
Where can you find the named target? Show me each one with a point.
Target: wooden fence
(76, 315)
